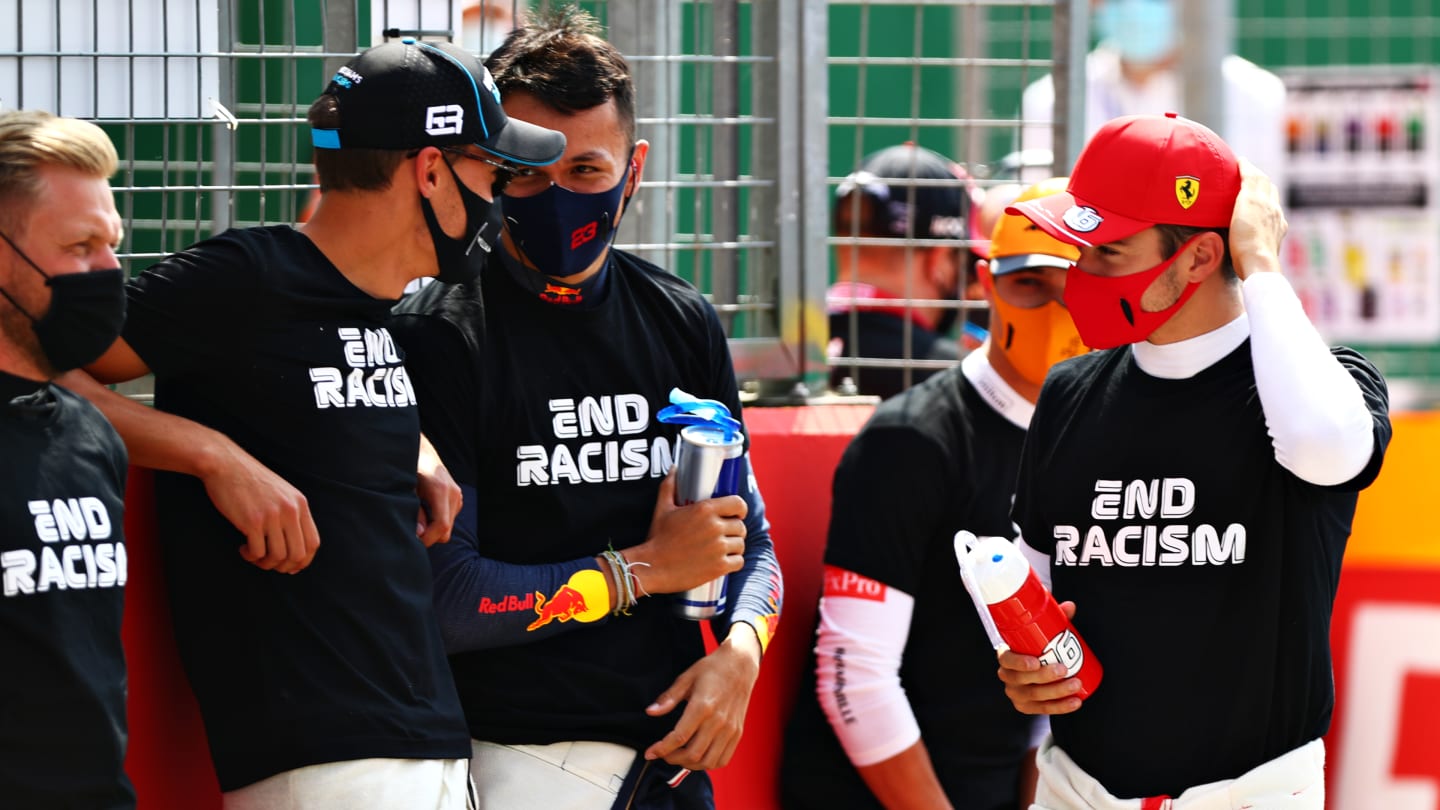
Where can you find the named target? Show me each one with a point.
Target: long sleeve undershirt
(1314, 410)
(466, 582)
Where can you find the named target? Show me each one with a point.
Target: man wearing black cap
(1190, 487)
(540, 384)
(881, 308)
(284, 415)
(899, 707)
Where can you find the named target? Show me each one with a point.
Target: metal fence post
(642, 30)
(1208, 32)
(804, 142)
(1071, 45)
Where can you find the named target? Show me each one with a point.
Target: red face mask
(1106, 309)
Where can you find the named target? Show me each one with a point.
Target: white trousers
(583, 775)
(371, 784)
(1292, 781)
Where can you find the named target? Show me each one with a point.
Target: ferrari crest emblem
(1187, 190)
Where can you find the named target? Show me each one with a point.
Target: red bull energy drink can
(707, 466)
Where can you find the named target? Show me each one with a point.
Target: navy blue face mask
(563, 232)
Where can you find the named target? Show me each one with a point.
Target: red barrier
(793, 452)
(168, 759)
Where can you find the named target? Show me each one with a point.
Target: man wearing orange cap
(914, 718)
(1191, 488)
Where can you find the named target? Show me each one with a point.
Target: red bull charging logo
(584, 598)
(561, 294)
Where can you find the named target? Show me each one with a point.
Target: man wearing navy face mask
(284, 415)
(539, 385)
(62, 484)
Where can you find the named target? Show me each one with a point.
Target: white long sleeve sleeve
(858, 648)
(1315, 412)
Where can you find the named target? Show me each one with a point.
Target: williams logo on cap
(445, 119)
(1187, 190)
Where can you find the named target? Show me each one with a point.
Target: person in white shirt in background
(1135, 71)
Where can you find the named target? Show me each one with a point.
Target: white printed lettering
(444, 119)
(327, 387)
(632, 414)
(1096, 548)
(1141, 498)
(596, 416)
(530, 467)
(1179, 498)
(1066, 539)
(562, 465)
(19, 568)
(1106, 505)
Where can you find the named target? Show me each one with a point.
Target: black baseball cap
(409, 94)
(904, 208)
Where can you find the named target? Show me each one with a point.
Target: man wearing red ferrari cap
(1191, 488)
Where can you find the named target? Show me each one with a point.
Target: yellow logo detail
(584, 598)
(1187, 190)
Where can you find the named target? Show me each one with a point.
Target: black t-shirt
(882, 335)
(256, 334)
(553, 423)
(935, 459)
(63, 567)
(1203, 572)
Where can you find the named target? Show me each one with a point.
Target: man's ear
(983, 286)
(427, 170)
(941, 266)
(637, 166)
(1206, 254)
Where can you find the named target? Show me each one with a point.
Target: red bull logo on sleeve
(507, 604)
(766, 624)
(584, 598)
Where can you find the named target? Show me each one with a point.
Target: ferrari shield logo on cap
(1187, 190)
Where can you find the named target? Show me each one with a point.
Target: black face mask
(461, 260)
(86, 313)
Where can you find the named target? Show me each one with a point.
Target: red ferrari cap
(1139, 171)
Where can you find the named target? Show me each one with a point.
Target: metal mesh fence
(946, 76)
(1284, 34)
(720, 98)
(755, 112)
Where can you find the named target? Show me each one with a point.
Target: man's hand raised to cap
(1258, 224)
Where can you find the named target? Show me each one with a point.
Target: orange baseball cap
(1017, 243)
